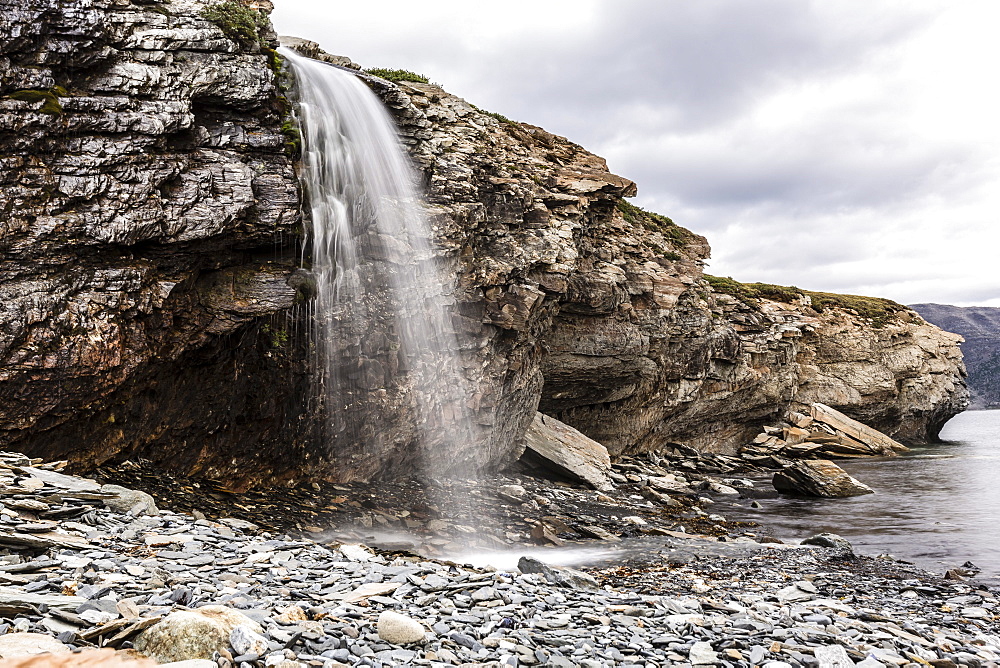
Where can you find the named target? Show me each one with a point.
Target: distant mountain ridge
(980, 325)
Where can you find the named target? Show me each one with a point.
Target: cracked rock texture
(151, 223)
(605, 306)
(148, 226)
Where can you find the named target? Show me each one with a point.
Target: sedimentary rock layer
(151, 223)
(150, 211)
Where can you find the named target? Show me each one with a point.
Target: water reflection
(937, 506)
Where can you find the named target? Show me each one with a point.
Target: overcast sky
(845, 145)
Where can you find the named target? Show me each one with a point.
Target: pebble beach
(86, 565)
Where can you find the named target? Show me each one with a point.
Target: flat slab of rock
(14, 601)
(68, 482)
(873, 438)
(562, 449)
(367, 590)
(818, 477)
(15, 645)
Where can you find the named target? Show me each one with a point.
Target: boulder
(831, 540)
(565, 577)
(873, 438)
(818, 477)
(129, 501)
(399, 629)
(555, 446)
(192, 634)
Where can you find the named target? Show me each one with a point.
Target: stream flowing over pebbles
(78, 572)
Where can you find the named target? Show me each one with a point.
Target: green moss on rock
(396, 75)
(237, 21)
(654, 222)
(48, 98)
(877, 310)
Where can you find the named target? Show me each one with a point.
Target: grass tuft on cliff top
(237, 21)
(654, 222)
(396, 75)
(877, 310)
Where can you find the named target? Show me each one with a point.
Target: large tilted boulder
(555, 446)
(818, 477)
(856, 432)
(825, 432)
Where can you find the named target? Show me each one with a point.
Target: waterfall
(387, 363)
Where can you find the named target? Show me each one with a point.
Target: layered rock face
(606, 305)
(152, 223)
(150, 213)
(708, 370)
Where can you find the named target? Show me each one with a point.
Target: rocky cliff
(150, 217)
(980, 327)
(151, 221)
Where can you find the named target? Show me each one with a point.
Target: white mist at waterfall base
(388, 367)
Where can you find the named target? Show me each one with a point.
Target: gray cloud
(797, 135)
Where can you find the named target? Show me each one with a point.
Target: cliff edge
(152, 220)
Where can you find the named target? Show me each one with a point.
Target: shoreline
(315, 603)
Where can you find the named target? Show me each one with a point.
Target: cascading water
(387, 359)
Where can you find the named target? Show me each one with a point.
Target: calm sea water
(937, 506)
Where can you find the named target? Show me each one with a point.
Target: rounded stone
(129, 501)
(399, 629)
(245, 640)
(192, 634)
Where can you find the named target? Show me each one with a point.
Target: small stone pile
(825, 432)
(88, 566)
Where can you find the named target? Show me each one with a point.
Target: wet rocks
(293, 602)
(563, 577)
(127, 159)
(818, 477)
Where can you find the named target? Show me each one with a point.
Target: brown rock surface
(818, 477)
(154, 224)
(552, 445)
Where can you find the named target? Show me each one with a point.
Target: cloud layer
(847, 146)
